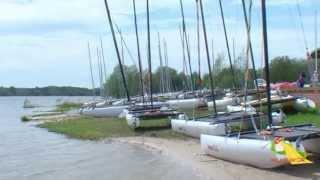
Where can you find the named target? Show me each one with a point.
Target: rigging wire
(227, 45)
(117, 49)
(186, 41)
(208, 57)
(91, 71)
(185, 69)
(302, 26)
(125, 45)
(138, 50)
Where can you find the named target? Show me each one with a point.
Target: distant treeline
(46, 91)
(281, 69)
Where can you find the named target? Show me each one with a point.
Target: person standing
(301, 81)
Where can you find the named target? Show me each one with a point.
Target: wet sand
(189, 152)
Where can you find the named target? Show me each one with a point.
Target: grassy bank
(303, 118)
(67, 106)
(197, 112)
(88, 128)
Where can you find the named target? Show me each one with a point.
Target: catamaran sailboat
(269, 148)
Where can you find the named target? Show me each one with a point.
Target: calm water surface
(28, 152)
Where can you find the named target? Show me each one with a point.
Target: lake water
(28, 152)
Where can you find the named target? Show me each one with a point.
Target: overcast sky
(44, 42)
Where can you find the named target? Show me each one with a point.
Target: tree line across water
(281, 69)
(46, 91)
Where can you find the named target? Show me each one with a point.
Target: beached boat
(259, 153)
(286, 101)
(259, 148)
(278, 116)
(269, 148)
(312, 145)
(196, 128)
(222, 124)
(222, 104)
(102, 104)
(231, 109)
(187, 103)
(304, 105)
(148, 113)
(111, 111)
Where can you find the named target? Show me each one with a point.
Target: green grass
(88, 128)
(303, 118)
(67, 106)
(155, 123)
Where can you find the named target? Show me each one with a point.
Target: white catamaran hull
(187, 103)
(304, 105)
(244, 151)
(133, 122)
(312, 145)
(222, 104)
(196, 128)
(278, 117)
(231, 109)
(112, 111)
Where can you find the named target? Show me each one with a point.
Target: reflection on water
(27, 152)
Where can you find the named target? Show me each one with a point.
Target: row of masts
(186, 47)
(102, 72)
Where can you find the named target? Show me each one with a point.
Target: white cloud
(44, 42)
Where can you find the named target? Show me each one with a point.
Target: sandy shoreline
(189, 152)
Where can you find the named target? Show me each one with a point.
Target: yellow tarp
(294, 157)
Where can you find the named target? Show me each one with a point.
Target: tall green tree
(287, 69)
(114, 84)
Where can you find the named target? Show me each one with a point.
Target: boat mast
(266, 58)
(185, 69)
(212, 56)
(168, 84)
(102, 74)
(208, 57)
(161, 65)
(122, 49)
(248, 29)
(91, 72)
(186, 41)
(235, 59)
(198, 46)
(316, 78)
(138, 49)
(104, 65)
(227, 44)
(117, 50)
(149, 54)
(125, 46)
(100, 71)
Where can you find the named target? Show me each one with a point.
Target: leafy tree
(286, 69)
(114, 85)
(45, 91)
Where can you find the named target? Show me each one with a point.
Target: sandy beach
(189, 152)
